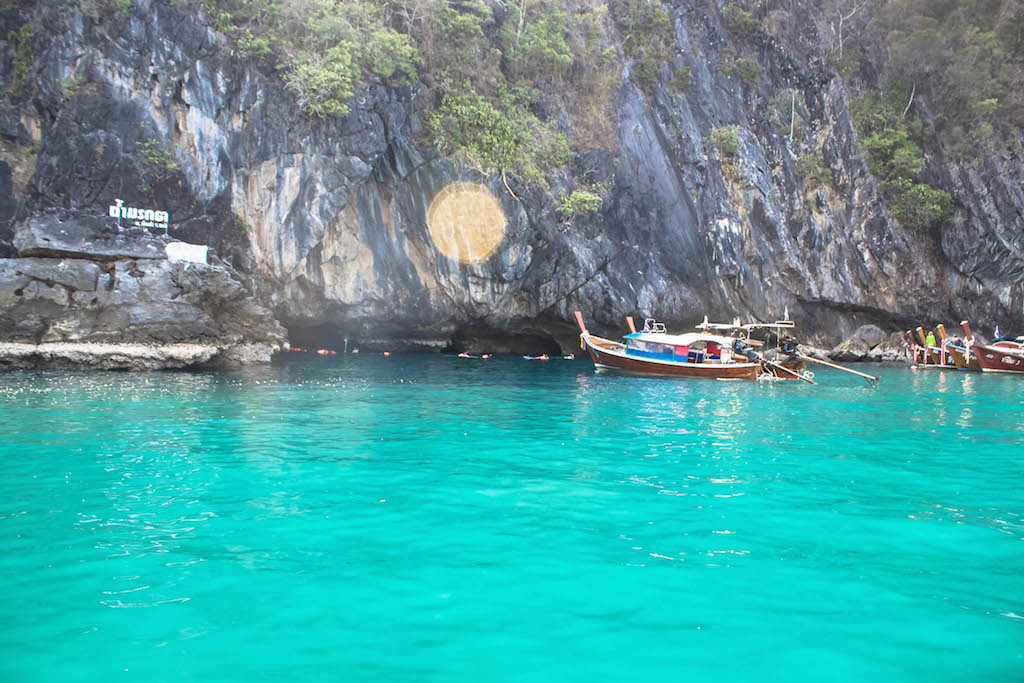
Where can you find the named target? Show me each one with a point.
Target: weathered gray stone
(74, 274)
(86, 356)
(859, 346)
(91, 237)
(66, 307)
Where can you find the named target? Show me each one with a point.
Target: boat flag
(787, 313)
(997, 331)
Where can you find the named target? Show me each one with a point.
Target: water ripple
(437, 518)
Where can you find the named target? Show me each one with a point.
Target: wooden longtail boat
(930, 355)
(654, 352)
(791, 367)
(961, 353)
(1005, 354)
(717, 351)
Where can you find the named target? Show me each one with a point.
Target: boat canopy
(681, 339)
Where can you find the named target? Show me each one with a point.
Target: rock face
(85, 356)
(328, 222)
(102, 309)
(61, 234)
(868, 343)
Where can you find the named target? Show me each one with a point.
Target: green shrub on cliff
(749, 70)
(576, 203)
(962, 61)
(919, 206)
(726, 140)
(645, 73)
(323, 46)
(786, 111)
(21, 48)
(646, 27)
(157, 163)
(891, 141)
(681, 80)
(543, 46)
(739, 21)
(452, 40)
(323, 84)
(499, 134)
(813, 170)
(646, 37)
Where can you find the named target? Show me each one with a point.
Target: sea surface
(430, 518)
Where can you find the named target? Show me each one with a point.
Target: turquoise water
(428, 518)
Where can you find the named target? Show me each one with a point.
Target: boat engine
(742, 348)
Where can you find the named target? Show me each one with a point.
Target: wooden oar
(872, 379)
(785, 369)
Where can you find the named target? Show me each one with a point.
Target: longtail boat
(716, 351)
(929, 354)
(653, 351)
(961, 352)
(1004, 354)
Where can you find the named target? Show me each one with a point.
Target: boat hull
(616, 359)
(963, 361)
(995, 359)
(794, 366)
(931, 358)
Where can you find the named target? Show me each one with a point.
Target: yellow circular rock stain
(466, 222)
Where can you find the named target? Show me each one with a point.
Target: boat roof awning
(680, 339)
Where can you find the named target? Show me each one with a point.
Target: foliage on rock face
(542, 46)
(787, 112)
(646, 27)
(647, 37)
(748, 69)
(72, 84)
(322, 46)
(812, 169)
(726, 141)
(958, 65)
(469, 127)
(681, 80)
(157, 163)
(486, 70)
(21, 44)
(742, 23)
(576, 203)
(890, 140)
(919, 206)
(965, 59)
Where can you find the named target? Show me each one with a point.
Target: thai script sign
(141, 218)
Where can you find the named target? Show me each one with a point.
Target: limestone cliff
(84, 294)
(327, 221)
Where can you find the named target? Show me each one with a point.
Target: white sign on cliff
(141, 218)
